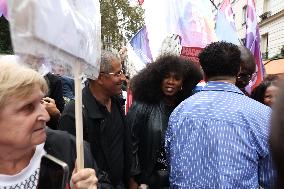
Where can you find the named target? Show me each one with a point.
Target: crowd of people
(173, 136)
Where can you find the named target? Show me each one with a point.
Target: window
(264, 46)
(266, 5)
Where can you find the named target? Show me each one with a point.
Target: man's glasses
(116, 74)
(247, 77)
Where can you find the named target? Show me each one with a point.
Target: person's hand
(50, 107)
(84, 179)
(143, 186)
(123, 53)
(132, 183)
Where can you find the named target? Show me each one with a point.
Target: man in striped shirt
(218, 138)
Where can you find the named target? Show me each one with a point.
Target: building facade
(270, 20)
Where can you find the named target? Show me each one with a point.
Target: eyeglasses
(247, 77)
(116, 74)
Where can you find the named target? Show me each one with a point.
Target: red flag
(191, 53)
(129, 100)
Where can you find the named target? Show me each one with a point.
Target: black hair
(259, 92)
(220, 59)
(146, 85)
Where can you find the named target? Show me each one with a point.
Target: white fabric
(74, 31)
(192, 20)
(28, 177)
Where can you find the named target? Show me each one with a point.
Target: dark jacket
(55, 92)
(92, 129)
(62, 145)
(68, 87)
(148, 124)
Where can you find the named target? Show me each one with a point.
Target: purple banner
(253, 43)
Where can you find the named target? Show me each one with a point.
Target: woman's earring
(180, 87)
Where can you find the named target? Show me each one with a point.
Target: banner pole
(78, 116)
(214, 4)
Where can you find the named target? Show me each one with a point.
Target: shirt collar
(94, 108)
(222, 86)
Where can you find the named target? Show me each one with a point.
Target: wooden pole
(78, 115)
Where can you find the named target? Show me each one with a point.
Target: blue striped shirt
(218, 138)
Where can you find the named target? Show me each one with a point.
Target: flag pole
(214, 4)
(241, 42)
(212, 1)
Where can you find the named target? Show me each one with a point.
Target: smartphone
(53, 173)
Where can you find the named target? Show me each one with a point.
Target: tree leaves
(120, 22)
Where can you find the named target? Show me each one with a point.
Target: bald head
(247, 68)
(247, 58)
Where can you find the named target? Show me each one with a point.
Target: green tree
(120, 22)
(5, 40)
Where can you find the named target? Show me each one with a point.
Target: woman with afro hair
(157, 90)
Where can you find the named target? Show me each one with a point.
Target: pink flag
(140, 2)
(253, 43)
(3, 8)
(226, 8)
(225, 24)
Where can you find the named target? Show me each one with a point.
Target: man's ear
(205, 78)
(240, 68)
(99, 76)
(100, 79)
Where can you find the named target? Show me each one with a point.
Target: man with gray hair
(103, 120)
